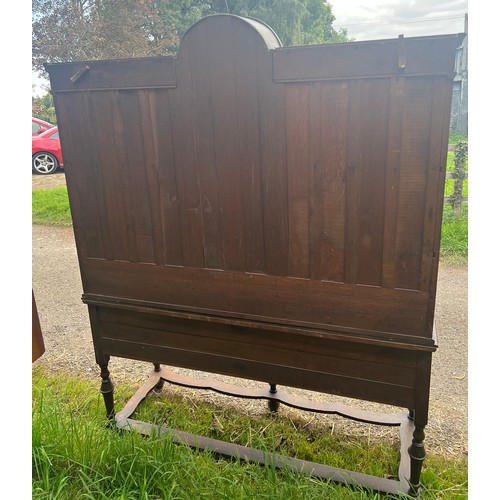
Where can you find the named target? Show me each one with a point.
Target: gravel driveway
(66, 330)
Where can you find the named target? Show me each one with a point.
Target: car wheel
(44, 163)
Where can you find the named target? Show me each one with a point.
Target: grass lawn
(75, 455)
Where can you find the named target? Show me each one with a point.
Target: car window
(35, 127)
(38, 126)
(55, 135)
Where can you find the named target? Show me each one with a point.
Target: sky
(378, 19)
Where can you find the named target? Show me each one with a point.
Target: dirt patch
(66, 330)
(49, 181)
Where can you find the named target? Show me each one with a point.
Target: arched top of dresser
(239, 26)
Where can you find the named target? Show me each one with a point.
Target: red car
(38, 126)
(46, 152)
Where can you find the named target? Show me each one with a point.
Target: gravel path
(66, 330)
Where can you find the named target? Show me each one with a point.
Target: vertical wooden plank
(126, 188)
(316, 157)
(430, 268)
(63, 103)
(135, 168)
(112, 175)
(151, 169)
(185, 164)
(91, 216)
(352, 181)
(334, 103)
(224, 112)
(203, 127)
(395, 131)
(413, 179)
(373, 148)
(273, 164)
(247, 110)
(297, 133)
(436, 175)
(169, 200)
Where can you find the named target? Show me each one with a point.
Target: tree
(71, 30)
(296, 22)
(43, 107)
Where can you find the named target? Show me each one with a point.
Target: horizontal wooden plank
(139, 73)
(393, 394)
(261, 348)
(371, 59)
(271, 337)
(275, 299)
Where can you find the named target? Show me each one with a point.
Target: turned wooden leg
(107, 391)
(159, 385)
(417, 456)
(272, 404)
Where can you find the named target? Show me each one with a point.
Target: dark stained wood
(167, 180)
(246, 49)
(205, 147)
(272, 108)
(366, 59)
(279, 299)
(371, 171)
(334, 106)
(222, 82)
(265, 212)
(185, 161)
(392, 175)
(111, 151)
(297, 132)
(412, 183)
(355, 120)
(113, 74)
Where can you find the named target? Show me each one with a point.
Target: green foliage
(454, 138)
(75, 455)
(69, 30)
(295, 22)
(73, 30)
(43, 107)
(51, 207)
(460, 151)
(449, 188)
(459, 173)
(181, 14)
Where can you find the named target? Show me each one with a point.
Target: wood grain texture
(263, 211)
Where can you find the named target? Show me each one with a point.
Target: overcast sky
(376, 19)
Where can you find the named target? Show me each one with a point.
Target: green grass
(454, 138)
(449, 183)
(51, 207)
(454, 235)
(75, 455)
